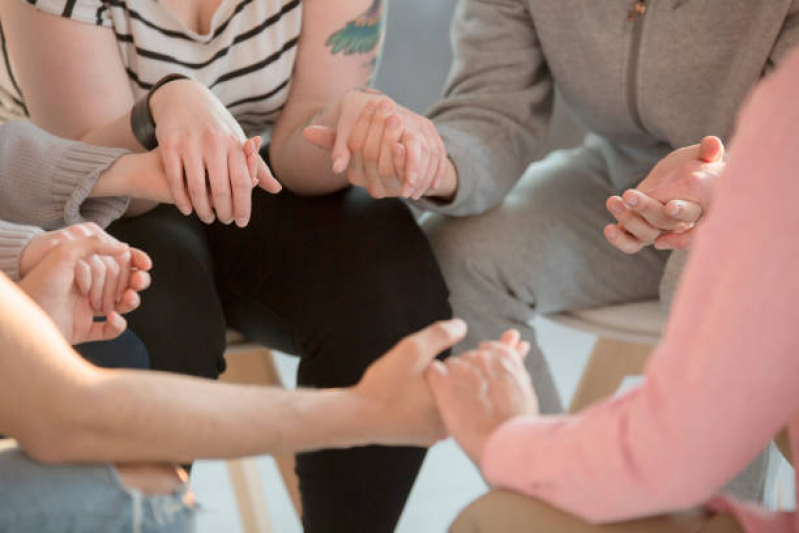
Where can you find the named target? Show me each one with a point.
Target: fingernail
(613, 233)
(338, 165)
(632, 200)
(393, 122)
(675, 210)
(616, 208)
(241, 222)
(386, 106)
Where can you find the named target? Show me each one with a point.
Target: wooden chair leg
(610, 362)
(250, 498)
(255, 365)
(783, 442)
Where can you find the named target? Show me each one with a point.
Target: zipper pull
(637, 10)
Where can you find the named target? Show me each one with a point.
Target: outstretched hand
(665, 208)
(480, 390)
(395, 390)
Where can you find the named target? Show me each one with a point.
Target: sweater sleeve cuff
(509, 455)
(76, 174)
(13, 240)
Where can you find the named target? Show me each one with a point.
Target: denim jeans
(82, 499)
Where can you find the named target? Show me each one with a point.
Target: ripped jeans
(81, 498)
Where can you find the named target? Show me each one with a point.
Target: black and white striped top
(246, 59)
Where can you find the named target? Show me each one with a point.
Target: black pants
(336, 280)
(126, 351)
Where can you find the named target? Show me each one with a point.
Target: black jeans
(335, 280)
(126, 351)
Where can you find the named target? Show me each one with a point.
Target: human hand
(480, 390)
(143, 176)
(665, 208)
(386, 149)
(395, 390)
(82, 273)
(203, 150)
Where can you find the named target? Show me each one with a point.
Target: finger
(109, 291)
(174, 177)
(511, 338)
(431, 341)
(651, 211)
(321, 136)
(266, 178)
(619, 238)
(113, 326)
(632, 223)
(140, 260)
(198, 190)
(675, 241)
(524, 349)
(130, 302)
(372, 148)
(357, 140)
(124, 262)
(98, 283)
(711, 150)
(252, 162)
(429, 168)
(240, 187)
(391, 137)
(83, 277)
(436, 162)
(413, 161)
(350, 116)
(139, 281)
(688, 212)
(216, 164)
(400, 157)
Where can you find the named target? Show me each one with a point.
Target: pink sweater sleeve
(725, 379)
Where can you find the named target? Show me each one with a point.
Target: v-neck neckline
(224, 9)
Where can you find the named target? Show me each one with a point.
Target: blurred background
(413, 71)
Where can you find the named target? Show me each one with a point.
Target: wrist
(117, 179)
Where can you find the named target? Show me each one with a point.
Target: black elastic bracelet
(142, 122)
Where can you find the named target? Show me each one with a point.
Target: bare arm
(337, 54)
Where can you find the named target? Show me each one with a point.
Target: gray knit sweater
(642, 84)
(45, 182)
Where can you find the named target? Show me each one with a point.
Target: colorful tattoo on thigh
(362, 35)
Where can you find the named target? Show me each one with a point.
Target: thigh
(336, 279)
(80, 499)
(126, 351)
(507, 512)
(544, 245)
(180, 319)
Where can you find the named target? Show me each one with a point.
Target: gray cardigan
(641, 87)
(45, 182)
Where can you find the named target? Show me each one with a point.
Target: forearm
(298, 164)
(150, 416)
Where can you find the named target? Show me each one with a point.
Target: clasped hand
(385, 148)
(665, 208)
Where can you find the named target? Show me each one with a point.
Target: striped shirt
(246, 58)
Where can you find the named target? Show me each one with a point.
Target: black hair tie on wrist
(142, 122)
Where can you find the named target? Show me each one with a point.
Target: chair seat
(640, 322)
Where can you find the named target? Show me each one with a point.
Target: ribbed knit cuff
(76, 175)
(13, 240)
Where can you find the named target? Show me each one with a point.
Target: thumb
(711, 150)
(436, 374)
(321, 136)
(434, 339)
(85, 247)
